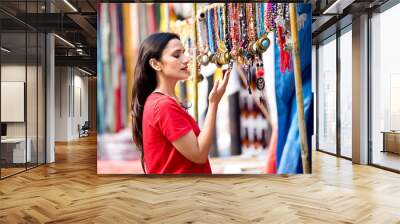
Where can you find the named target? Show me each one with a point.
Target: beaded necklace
(238, 26)
(243, 27)
(270, 11)
(258, 20)
(227, 26)
(262, 18)
(233, 28)
(203, 58)
(267, 12)
(253, 17)
(210, 31)
(250, 21)
(216, 29)
(202, 27)
(220, 23)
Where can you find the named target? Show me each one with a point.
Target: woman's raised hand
(219, 88)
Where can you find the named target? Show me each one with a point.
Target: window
(346, 92)
(385, 89)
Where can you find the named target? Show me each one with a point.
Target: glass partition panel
(327, 96)
(32, 98)
(14, 152)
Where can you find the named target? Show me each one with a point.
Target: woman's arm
(194, 148)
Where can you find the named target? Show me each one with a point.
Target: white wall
(10, 73)
(71, 94)
(62, 81)
(80, 83)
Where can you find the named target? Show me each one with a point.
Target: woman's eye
(176, 55)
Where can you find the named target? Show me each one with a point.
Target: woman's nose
(186, 58)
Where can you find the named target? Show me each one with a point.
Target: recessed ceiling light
(337, 7)
(64, 40)
(5, 49)
(70, 5)
(84, 71)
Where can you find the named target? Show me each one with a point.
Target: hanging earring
(260, 82)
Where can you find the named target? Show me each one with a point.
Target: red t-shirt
(165, 121)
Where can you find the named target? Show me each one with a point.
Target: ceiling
(332, 15)
(76, 20)
(72, 20)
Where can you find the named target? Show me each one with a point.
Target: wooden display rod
(299, 89)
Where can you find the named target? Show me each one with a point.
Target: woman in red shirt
(167, 136)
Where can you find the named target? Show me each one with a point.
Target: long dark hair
(145, 81)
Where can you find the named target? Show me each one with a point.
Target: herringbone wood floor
(70, 191)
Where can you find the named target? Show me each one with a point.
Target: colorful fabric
(288, 153)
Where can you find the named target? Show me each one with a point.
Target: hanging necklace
(263, 42)
(211, 32)
(220, 23)
(258, 19)
(252, 13)
(224, 45)
(217, 29)
(243, 50)
(202, 27)
(227, 28)
(204, 39)
(209, 29)
(267, 16)
(262, 18)
(233, 18)
(228, 41)
(240, 35)
(214, 30)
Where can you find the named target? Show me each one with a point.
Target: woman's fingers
(226, 78)
(215, 87)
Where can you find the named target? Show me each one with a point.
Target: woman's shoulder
(161, 102)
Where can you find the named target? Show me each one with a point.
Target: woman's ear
(155, 64)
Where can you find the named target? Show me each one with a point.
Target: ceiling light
(84, 71)
(337, 7)
(70, 5)
(5, 49)
(65, 41)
